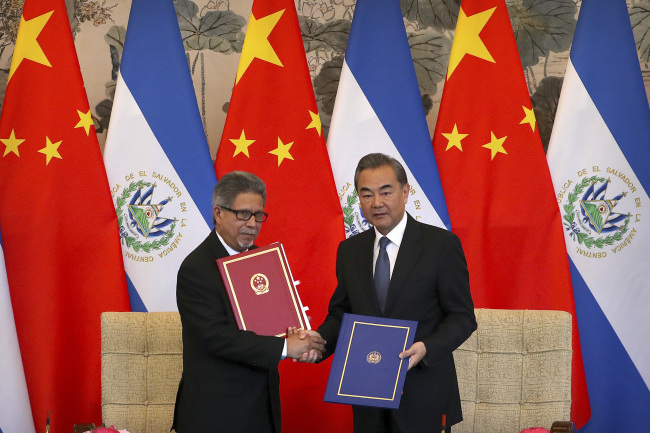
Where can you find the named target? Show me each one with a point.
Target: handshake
(305, 345)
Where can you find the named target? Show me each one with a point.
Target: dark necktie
(382, 273)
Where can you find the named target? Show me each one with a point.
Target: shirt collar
(395, 235)
(230, 251)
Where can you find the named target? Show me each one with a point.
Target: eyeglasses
(245, 214)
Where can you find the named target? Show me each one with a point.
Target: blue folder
(366, 369)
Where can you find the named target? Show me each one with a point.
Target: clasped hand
(316, 345)
(305, 346)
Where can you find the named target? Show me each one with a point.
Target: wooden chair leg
(81, 428)
(563, 427)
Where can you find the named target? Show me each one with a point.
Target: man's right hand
(300, 343)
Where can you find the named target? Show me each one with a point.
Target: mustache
(248, 232)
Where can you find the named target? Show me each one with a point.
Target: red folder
(262, 293)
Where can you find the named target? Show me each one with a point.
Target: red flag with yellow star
(496, 180)
(59, 228)
(273, 130)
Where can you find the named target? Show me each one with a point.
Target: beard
(247, 244)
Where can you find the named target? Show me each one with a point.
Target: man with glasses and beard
(230, 378)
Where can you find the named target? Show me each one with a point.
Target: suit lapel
(409, 250)
(216, 246)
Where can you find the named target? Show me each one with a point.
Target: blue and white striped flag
(157, 157)
(599, 157)
(378, 108)
(15, 411)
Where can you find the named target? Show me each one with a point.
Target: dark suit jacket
(230, 379)
(429, 284)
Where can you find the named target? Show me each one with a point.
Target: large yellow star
(467, 39)
(496, 145)
(241, 144)
(257, 42)
(51, 150)
(529, 118)
(11, 144)
(315, 122)
(282, 152)
(27, 46)
(454, 138)
(85, 121)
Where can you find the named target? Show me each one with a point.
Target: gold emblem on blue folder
(373, 357)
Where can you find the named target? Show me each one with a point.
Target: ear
(405, 192)
(216, 213)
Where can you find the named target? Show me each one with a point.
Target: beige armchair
(514, 372)
(142, 362)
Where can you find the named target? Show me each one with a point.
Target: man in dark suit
(426, 280)
(230, 379)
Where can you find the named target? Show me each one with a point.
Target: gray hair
(234, 183)
(376, 160)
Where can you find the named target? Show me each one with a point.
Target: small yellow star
(27, 46)
(51, 150)
(467, 39)
(529, 118)
(454, 138)
(85, 121)
(241, 144)
(256, 43)
(315, 122)
(11, 144)
(496, 145)
(282, 152)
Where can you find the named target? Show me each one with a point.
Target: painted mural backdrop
(213, 32)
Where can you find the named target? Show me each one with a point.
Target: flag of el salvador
(157, 157)
(15, 410)
(379, 108)
(599, 157)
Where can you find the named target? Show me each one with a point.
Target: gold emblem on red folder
(260, 284)
(373, 357)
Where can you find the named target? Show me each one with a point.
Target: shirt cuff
(284, 350)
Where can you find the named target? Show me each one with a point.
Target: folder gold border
(354, 325)
(288, 280)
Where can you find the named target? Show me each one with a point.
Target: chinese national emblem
(260, 284)
(373, 357)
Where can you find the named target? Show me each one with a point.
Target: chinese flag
(273, 130)
(496, 181)
(59, 229)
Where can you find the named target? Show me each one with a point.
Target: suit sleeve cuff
(284, 350)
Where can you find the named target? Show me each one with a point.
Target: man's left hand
(415, 353)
